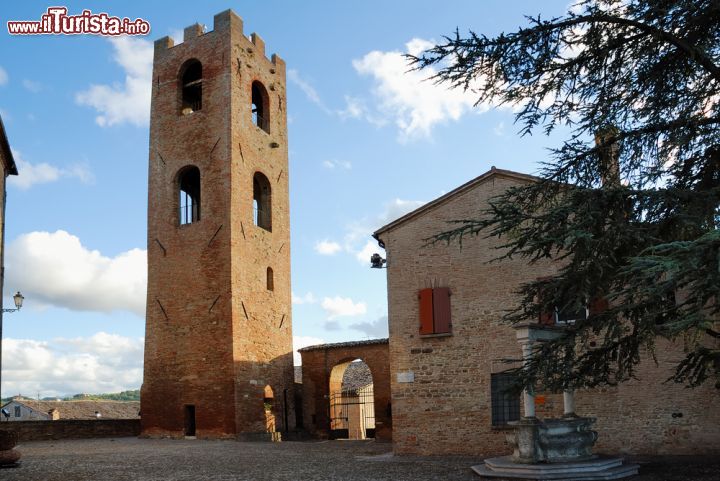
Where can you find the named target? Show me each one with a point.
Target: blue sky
(378, 140)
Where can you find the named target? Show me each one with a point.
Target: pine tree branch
(693, 52)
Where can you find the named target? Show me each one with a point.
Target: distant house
(22, 409)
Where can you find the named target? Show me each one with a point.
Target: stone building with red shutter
(446, 342)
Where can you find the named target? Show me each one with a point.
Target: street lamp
(18, 298)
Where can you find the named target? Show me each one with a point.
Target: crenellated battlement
(223, 21)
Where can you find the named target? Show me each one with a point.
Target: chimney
(54, 414)
(608, 155)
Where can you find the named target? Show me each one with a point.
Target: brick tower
(218, 342)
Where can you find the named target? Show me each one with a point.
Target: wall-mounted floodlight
(377, 262)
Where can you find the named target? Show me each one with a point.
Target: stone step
(541, 473)
(506, 464)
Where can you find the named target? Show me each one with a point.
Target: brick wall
(447, 407)
(73, 429)
(216, 336)
(317, 367)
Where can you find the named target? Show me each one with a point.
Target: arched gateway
(346, 390)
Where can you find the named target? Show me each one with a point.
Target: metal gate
(352, 414)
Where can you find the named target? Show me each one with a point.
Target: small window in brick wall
(505, 404)
(262, 202)
(260, 106)
(189, 180)
(191, 87)
(435, 311)
(270, 281)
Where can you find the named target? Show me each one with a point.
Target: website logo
(56, 21)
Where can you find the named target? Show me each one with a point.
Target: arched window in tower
(262, 202)
(270, 280)
(189, 181)
(260, 106)
(191, 87)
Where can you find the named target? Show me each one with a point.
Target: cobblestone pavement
(196, 460)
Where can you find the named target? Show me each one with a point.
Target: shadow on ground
(197, 460)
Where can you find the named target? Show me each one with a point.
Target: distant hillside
(116, 396)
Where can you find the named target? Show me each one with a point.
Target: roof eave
(443, 198)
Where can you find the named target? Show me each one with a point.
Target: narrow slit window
(191, 85)
(260, 106)
(189, 180)
(262, 202)
(269, 279)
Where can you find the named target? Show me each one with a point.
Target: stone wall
(73, 429)
(441, 396)
(317, 366)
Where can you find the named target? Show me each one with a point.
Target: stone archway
(324, 367)
(351, 401)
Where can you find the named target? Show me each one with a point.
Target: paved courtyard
(196, 460)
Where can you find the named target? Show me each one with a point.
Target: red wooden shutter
(598, 306)
(426, 311)
(547, 317)
(441, 310)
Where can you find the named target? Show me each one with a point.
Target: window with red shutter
(598, 306)
(426, 311)
(435, 311)
(547, 317)
(441, 310)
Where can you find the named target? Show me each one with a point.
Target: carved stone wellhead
(552, 440)
(551, 448)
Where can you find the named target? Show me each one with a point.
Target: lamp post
(18, 299)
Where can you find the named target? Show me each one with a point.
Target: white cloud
(397, 208)
(342, 307)
(371, 247)
(178, 36)
(415, 103)
(354, 108)
(30, 174)
(307, 89)
(55, 268)
(303, 341)
(357, 239)
(32, 86)
(128, 102)
(3, 76)
(375, 329)
(327, 248)
(98, 364)
(333, 163)
(308, 298)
